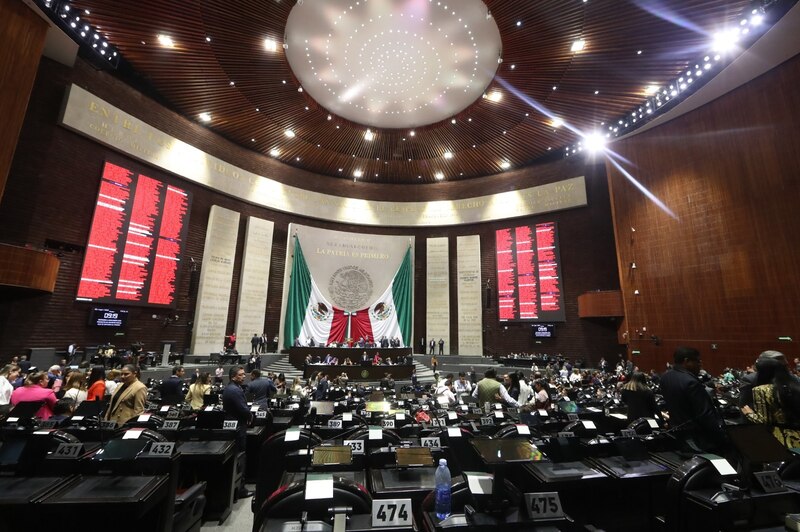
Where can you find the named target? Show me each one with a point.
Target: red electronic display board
(136, 240)
(529, 286)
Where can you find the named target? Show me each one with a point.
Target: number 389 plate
(391, 512)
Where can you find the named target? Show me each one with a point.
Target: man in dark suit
(235, 406)
(322, 389)
(689, 403)
(172, 388)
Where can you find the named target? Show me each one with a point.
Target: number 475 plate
(391, 512)
(545, 505)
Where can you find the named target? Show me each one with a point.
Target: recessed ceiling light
(165, 40)
(369, 135)
(270, 45)
(274, 152)
(519, 23)
(358, 173)
(651, 89)
(557, 122)
(205, 117)
(289, 133)
(494, 96)
(208, 39)
(448, 155)
(439, 176)
(252, 140)
(505, 165)
(578, 46)
(411, 133)
(453, 121)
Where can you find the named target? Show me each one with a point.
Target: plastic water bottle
(443, 479)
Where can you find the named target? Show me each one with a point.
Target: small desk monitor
(214, 419)
(505, 451)
(332, 455)
(324, 408)
(414, 457)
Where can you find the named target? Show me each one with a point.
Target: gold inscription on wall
(95, 118)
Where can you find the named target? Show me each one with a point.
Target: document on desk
(319, 486)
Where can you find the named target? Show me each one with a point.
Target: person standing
(689, 403)
(434, 362)
(432, 345)
(129, 397)
(172, 388)
(254, 341)
(261, 388)
(441, 346)
(235, 406)
(489, 390)
(776, 399)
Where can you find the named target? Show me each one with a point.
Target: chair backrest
(289, 502)
(271, 461)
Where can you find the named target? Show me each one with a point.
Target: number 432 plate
(391, 512)
(545, 505)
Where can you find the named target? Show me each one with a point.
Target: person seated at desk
(462, 385)
(776, 399)
(75, 388)
(445, 389)
(35, 389)
(342, 379)
(309, 359)
(328, 359)
(297, 342)
(347, 361)
(389, 361)
(365, 360)
(361, 343)
(377, 360)
(541, 398)
(311, 343)
(63, 409)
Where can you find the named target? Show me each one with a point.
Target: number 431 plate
(391, 512)
(545, 505)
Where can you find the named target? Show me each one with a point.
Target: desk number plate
(230, 424)
(171, 424)
(431, 442)
(391, 512)
(546, 505)
(68, 450)
(387, 423)
(357, 446)
(334, 423)
(487, 421)
(161, 448)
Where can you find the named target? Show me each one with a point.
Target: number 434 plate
(545, 505)
(391, 512)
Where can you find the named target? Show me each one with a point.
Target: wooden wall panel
(22, 35)
(723, 270)
(53, 187)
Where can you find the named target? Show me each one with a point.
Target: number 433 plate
(545, 505)
(391, 512)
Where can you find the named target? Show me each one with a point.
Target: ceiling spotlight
(439, 176)
(448, 155)
(411, 133)
(289, 133)
(494, 96)
(725, 41)
(505, 165)
(595, 142)
(270, 45)
(369, 135)
(453, 121)
(274, 152)
(756, 20)
(165, 40)
(557, 122)
(651, 89)
(578, 46)
(205, 117)
(358, 173)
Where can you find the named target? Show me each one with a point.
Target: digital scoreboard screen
(136, 240)
(529, 286)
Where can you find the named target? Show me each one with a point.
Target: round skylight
(393, 64)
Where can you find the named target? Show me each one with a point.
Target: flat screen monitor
(414, 457)
(544, 330)
(108, 318)
(756, 444)
(324, 408)
(332, 455)
(136, 240)
(568, 407)
(378, 406)
(121, 449)
(505, 451)
(529, 282)
(213, 419)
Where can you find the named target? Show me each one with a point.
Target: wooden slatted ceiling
(195, 77)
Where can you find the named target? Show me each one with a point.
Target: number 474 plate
(391, 512)
(545, 505)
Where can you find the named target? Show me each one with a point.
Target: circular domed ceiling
(393, 64)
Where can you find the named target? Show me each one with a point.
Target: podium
(166, 350)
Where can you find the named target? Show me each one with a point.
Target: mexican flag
(390, 314)
(308, 313)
